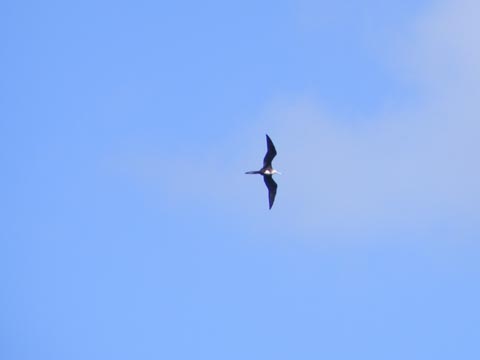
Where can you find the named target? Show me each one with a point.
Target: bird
(267, 171)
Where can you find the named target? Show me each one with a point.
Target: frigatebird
(267, 171)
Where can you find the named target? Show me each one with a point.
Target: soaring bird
(267, 171)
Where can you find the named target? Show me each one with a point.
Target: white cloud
(412, 168)
(413, 165)
(445, 47)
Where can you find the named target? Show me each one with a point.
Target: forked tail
(253, 172)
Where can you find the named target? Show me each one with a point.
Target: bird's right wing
(272, 189)
(271, 153)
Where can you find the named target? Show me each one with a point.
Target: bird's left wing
(272, 189)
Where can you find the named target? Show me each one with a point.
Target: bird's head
(276, 172)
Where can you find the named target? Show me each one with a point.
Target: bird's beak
(279, 173)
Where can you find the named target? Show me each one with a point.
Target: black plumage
(267, 171)
(272, 189)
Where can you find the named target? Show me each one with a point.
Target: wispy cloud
(411, 167)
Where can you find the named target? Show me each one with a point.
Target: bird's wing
(272, 189)
(271, 152)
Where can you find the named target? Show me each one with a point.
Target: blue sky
(129, 231)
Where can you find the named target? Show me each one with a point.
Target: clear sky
(129, 230)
